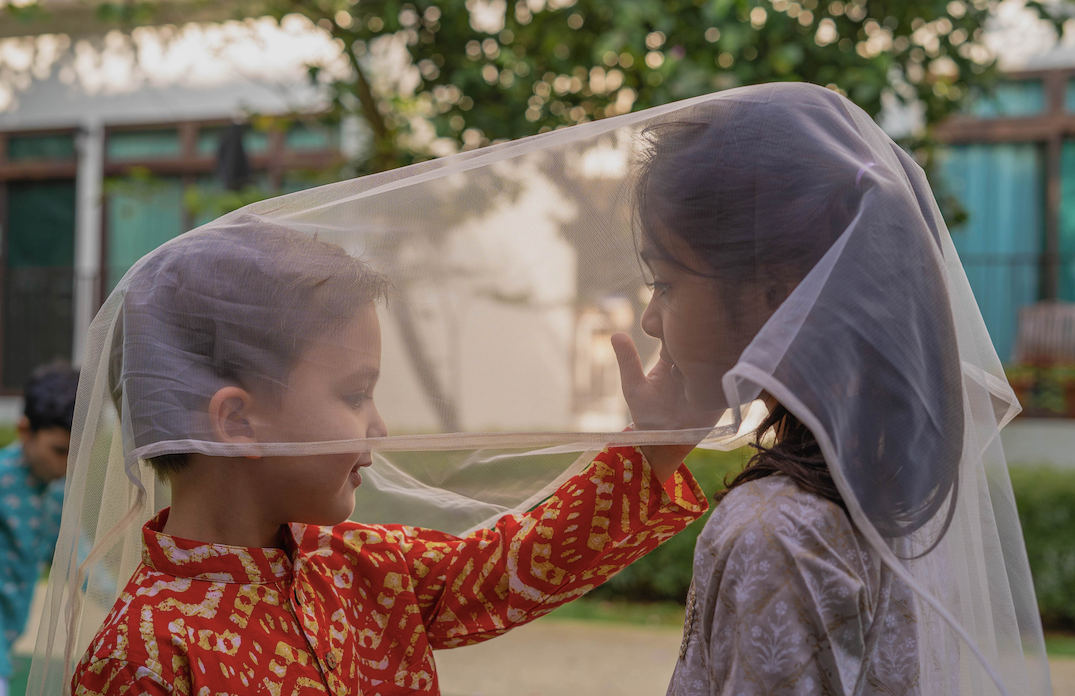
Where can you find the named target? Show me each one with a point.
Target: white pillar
(88, 192)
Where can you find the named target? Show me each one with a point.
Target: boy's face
(329, 396)
(45, 450)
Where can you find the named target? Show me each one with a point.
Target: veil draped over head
(499, 275)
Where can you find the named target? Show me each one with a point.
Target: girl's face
(329, 396)
(691, 317)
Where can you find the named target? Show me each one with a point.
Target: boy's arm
(473, 588)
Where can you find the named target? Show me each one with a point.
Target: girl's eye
(659, 288)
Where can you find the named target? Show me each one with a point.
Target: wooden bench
(1046, 334)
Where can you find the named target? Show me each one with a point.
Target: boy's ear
(229, 412)
(22, 428)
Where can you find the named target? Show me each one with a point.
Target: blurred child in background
(32, 469)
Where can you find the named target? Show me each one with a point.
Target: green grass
(1060, 644)
(633, 613)
(7, 434)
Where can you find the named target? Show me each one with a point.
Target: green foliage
(1044, 390)
(202, 203)
(1046, 501)
(498, 69)
(136, 182)
(25, 12)
(206, 204)
(551, 63)
(665, 574)
(132, 13)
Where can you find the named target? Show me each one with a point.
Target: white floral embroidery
(786, 600)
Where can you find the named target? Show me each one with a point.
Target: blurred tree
(430, 77)
(487, 70)
(469, 72)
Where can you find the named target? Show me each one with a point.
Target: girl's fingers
(631, 375)
(662, 369)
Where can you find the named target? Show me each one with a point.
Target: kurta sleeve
(473, 588)
(784, 598)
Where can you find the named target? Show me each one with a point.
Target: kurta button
(330, 661)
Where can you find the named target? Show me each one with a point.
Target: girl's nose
(651, 320)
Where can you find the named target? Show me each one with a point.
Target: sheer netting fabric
(497, 277)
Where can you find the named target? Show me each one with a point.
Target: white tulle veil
(504, 271)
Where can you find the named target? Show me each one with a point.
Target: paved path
(570, 658)
(1063, 672)
(566, 658)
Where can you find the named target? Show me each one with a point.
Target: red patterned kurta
(359, 609)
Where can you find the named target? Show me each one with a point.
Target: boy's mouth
(355, 475)
(363, 462)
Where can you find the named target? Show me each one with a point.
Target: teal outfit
(29, 526)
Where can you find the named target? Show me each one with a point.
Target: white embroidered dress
(788, 598)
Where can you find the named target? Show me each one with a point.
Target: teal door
(38, 285)
(1067, 220)
(1000, 244)
(141, 216)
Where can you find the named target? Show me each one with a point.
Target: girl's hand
(657, 402)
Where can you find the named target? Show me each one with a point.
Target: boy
(31, 497)
(253, 581)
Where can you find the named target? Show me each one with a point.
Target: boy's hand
(657, 402)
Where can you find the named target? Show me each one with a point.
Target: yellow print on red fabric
(359, 609)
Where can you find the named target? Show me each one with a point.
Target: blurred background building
(112, 117)
(124, 124)
(107, 140)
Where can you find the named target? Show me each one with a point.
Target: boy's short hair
(49, 396)
(235, 304)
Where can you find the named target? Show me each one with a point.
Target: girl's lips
(676, 374)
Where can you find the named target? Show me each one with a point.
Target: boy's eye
(358, 399)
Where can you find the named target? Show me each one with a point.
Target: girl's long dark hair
(758, 204)
(795, 454)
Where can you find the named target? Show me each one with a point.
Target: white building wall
(197, 72)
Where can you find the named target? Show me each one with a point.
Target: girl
(797, 256)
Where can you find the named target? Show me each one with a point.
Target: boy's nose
(377, 428)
